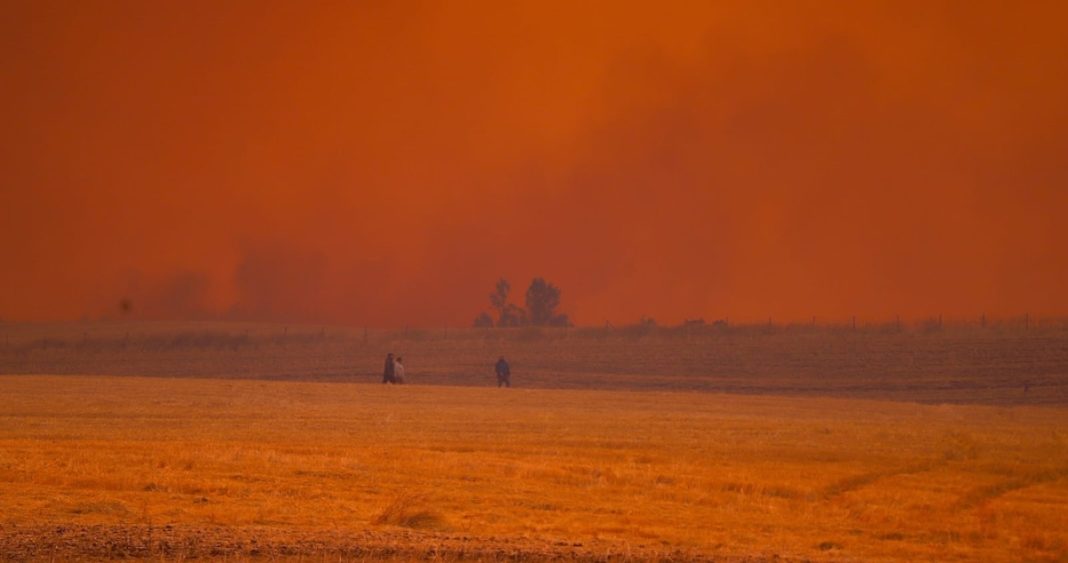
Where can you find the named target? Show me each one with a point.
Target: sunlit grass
(716, 474)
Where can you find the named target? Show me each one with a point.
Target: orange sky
(382, 164)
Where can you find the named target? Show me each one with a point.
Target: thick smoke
(369, 165)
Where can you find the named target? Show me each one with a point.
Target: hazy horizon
(378, 165)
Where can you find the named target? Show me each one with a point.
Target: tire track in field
(855, 482)
(988, 493)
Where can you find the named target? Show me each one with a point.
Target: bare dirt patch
(18, 543)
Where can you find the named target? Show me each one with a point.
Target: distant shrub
(561, 320)
(644, 327)
(483, 320)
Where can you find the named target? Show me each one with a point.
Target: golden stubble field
(96, 466)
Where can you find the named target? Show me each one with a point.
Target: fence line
(87, 337)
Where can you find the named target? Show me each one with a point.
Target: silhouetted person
(387, 373)
(398, 371)
(504, 373)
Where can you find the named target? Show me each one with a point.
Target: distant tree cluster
(542, 299)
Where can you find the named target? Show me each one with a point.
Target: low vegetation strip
(957, 364)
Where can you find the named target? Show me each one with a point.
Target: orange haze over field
(384, 163)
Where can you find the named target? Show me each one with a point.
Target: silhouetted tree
(512, 316)
(499, 299)
(483, 320)
(542, 300)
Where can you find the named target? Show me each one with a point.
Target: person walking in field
(504, 373)
(388, 371)
(398, 371)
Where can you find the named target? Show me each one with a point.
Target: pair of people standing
(394, 370)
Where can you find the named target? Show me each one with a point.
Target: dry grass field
(94, 466)
(748, 443)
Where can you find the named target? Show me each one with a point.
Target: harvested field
(102, 467)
